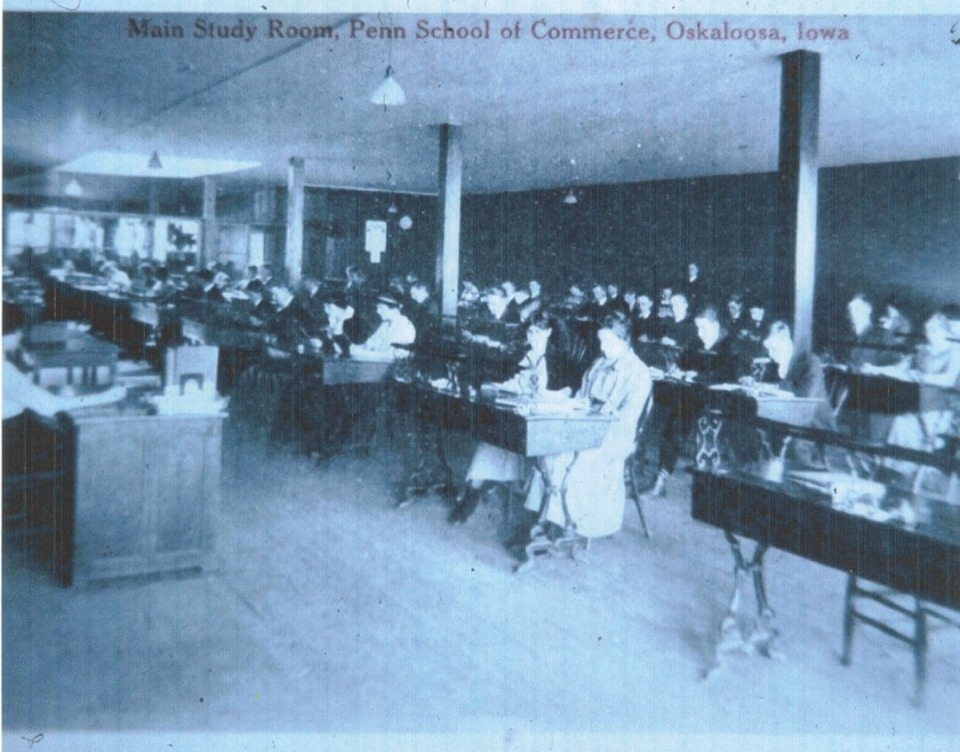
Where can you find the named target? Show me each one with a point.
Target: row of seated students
(718, 343)
(722, 354)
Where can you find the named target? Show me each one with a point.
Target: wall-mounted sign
(376, 239)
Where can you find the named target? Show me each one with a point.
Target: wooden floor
(333, 613)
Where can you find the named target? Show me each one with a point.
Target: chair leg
(849, 619)
(919, 652)
(635, 493)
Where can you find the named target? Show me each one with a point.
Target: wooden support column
(795, 261)
(154, 207)
(293, 256)
(211, 235)
(448, 240)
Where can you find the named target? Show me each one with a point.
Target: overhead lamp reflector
(388, 93)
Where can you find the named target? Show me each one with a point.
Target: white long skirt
(595, 488)
(494, 463)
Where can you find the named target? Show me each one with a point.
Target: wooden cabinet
(142, 493)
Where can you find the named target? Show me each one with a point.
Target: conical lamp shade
(388, 93)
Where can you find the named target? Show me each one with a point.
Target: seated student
(469, 297)
(664, 309)
(61, 273)
(870, 340)
(339, 334)
(249, 275)
(116, 278)
(616, 304)
(617, 384)
(395, 329)
(799, 372)
(290, 324)
(715, 361)
(679, 330)
(215, 284)
(597, 308)
(424, 311)
(895, 322)
(489, 326)
(734, 320)
(494, 464)
(936, 366)
(260, 306)
(646, 324)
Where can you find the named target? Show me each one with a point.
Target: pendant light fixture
(388, 93)
(73, 189)
(155, 163)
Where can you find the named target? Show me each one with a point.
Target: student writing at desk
(495, 464)
(936, 367)
(395, 329)
(617, 384)
(799, 372)
(348, 407)
(712, 360)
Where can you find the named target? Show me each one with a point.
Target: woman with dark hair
(617, 384)
(494, 464)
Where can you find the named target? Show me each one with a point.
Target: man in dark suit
(424, 311)
(290, 325)
(799, 372)
(310, 300)
(713, 358)
(693, 287)
(679, 331)
(646, 323)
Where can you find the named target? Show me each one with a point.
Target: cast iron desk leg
(708, 442)
(740, 634)
(433, 470)
(540, 541)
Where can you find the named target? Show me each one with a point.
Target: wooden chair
(635, 461)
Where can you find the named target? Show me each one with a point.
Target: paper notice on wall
(376, 243)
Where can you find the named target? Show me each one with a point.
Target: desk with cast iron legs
(536, 436)
(920, 560)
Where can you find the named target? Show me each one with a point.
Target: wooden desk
(141, 493)
(533, 436)
(922, 561)
(74, 350)
(725, 418)
(873, 393)
(334, 370)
